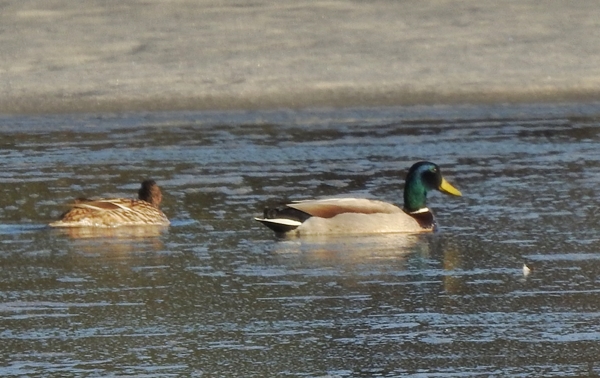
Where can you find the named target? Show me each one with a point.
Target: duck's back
(111, 212)
(330, 207)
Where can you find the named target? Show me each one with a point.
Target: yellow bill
(445, 187)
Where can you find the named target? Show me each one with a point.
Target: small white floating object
(526, 270)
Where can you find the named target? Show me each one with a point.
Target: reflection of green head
(421, 178)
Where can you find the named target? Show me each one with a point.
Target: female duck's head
(150, 192)
(421, 178)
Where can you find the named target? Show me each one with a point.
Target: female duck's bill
(114, 212)
(359, 215)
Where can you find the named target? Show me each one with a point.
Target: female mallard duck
(113, 212)
(357, 215)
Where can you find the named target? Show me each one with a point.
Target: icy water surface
(216, 294)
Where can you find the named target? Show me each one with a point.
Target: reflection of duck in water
(123, 233)
(364, 250)
(114, 212)
(358, 215)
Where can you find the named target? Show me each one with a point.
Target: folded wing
(329, 208)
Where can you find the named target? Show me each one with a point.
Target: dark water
(218, 295)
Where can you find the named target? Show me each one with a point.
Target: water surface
(217, 294)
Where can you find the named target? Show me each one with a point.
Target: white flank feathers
(287, 222)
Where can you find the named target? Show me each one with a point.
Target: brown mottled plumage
(114, 212)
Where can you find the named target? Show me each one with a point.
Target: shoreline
(151, 55)
(340, 99)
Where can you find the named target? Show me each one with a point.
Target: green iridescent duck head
(421, 178)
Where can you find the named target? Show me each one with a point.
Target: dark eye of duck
(431, 178)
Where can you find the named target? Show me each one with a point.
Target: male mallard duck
(113, 212)
(358, 215)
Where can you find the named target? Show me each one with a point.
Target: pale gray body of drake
(115, 212)
(362, 216)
